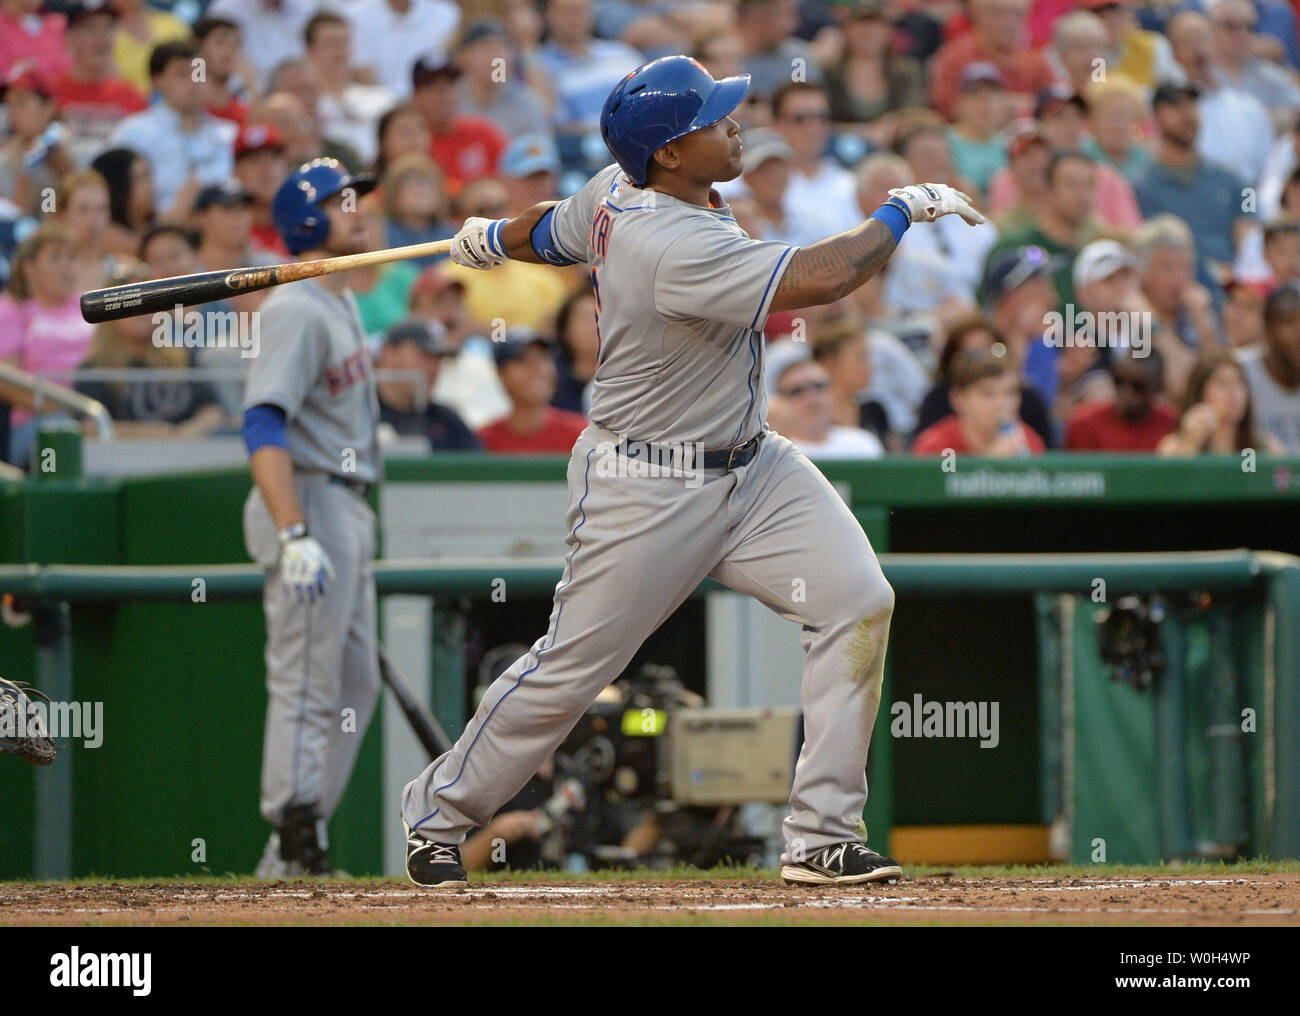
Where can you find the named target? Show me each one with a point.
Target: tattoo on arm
(830, 269)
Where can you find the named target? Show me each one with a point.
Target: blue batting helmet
(659, 102)
(295, 209)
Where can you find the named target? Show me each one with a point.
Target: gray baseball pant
(774, 529)
(322, 661)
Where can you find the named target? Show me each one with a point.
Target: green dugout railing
(1268, 579)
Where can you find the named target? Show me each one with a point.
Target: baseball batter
(682, 294)
(310, 420)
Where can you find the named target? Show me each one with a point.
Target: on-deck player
(310, 421)
(682, 294)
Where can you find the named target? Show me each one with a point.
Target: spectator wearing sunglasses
(819, 199)
(1135, 420)
(802, 408)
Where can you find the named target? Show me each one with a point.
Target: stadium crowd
(1137, 288)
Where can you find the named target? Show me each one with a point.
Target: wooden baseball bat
(134, 298)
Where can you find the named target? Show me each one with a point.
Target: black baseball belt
(724, 458)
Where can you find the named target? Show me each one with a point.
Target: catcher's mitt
(22, 729)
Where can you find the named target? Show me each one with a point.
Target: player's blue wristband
(544, 244)
(896, 217)
(264, 425)
(494, 237)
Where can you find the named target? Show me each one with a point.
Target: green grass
(744, 873)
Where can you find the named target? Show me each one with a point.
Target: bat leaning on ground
(135, 298)
(423, 723)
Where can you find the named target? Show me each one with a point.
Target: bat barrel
(162, 295)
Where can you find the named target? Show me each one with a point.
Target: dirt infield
(1266, 898)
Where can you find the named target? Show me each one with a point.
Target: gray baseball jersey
(681, 294)
(314, 365)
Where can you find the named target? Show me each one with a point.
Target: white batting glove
(304, 567)
(478, 244)
(927, 201)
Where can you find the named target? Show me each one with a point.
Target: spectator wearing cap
(1243, 313)
(772, 50)
(800, 407)
(34, 155)
(997, 36)
(260, 167)
(526, 294)
(1235, 127)
(140, 28)
(819, 198)
(766, 178)
(1063, 222)
(347, 110)
(466, 147)
(467, 379)
(975, 137)
(31, 38)
(1141, 56)
(577, 351)
(390, 35)
(1021, 185)
(841, 347)
(1116, 109)
(870, 78)
(978, 334)
(1018, 293)
(130, 198)
(1182, 310)
(1273, 373)
(415, 204)
(492, 84)
(147, 408)
(1237, 65)
(187, 147)
(1062, 116)
(530, 171)
(223, 214)
(985, 421)
(1080, 47)
(1282, 250)
(418, 347)
(91, 98)
(1206, 196)
(1136, 420)
(1218, 415)
(918, 277)
(928, 153)
(228, 74)
(271, 29)
(580, 68)
(533, 426)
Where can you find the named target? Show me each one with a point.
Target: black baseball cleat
(433, 865)
(842, 864)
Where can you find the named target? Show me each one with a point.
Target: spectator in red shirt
(533, 426)
(997, 36)
(220, 47)
(90, 96)
(466, 147)
(1136, 420)
(985, 400)
(30, 37)
(260, 166)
